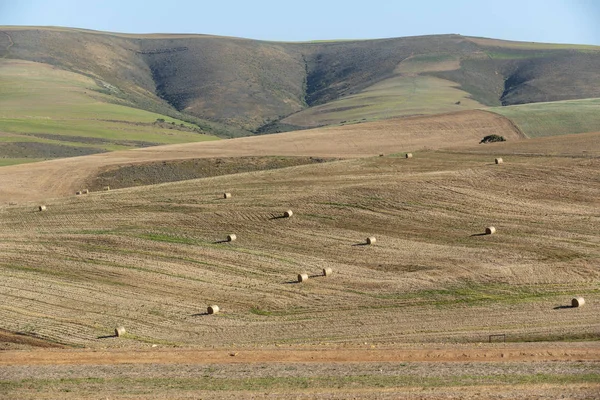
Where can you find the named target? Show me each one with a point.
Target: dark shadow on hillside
(200, 314)
(290, 282)
(277, 217)
(360, 244)
(562, 307)
(479, 234)
(221, 241)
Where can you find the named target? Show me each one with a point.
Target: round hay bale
(371, 240)
(288, 213)
(107, 188)
(85, 191)
(577, 302)
(327, 271)
(498, 161)
(408, 155)
(231, 238)
(78, 192)
(214, 309)
(226, 195)
(42, 208)
(490, 230)
(120, 331)
(302, 277)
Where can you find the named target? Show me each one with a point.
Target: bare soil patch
(95, 140)
(43, 150)
(11, 341)
(530, 352)
(175, 170)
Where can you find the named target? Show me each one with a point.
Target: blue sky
(556, 21)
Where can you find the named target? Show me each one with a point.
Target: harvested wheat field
(410, 316)
(38, 181)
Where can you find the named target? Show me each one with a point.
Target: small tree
(492, 139)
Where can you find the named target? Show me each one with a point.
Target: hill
(270, 86)
(47, 113)
(38, 181)
(407, 316)
(151, 258)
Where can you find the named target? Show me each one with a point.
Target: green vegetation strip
(554, 118)
(208, 383)
(475, 294)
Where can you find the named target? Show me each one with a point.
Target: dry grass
(146, 257)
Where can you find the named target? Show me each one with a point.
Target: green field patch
(508, 44)
(52, 106)
(554, 118)
(428, 63)
(475, 294)
(394, 97)
(13, 161)
(110, 131)
(514, 55)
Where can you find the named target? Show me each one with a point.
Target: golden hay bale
(577, 302)
(408, 155)
(302, 277)
(288, 213)
(327, 271)
(78, 192)
(498, 161)
(42, 208)
(371, 240)
(214, 309)
(490, 230)
(231, 238)
(85, 191)
(226, 195)
(120, 331)
(107, 188)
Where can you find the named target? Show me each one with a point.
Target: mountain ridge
(252, 85)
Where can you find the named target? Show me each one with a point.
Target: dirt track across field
(482, 352)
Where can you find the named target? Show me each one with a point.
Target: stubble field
(153, 258)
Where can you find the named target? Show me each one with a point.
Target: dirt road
(589, 351)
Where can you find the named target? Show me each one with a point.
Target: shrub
(492, 139)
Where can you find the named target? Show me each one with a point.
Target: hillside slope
(253, 85)
(38, 181)
(152, 258)
(46, 112)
